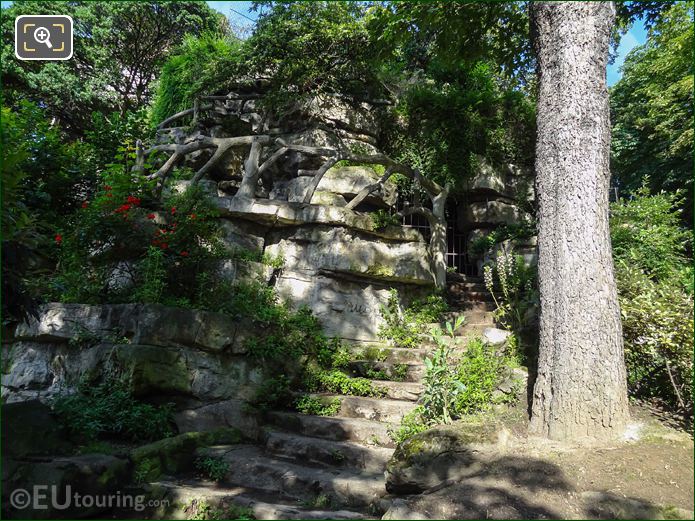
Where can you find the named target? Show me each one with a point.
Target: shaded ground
(650, 476)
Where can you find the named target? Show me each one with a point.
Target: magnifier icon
(42, 35)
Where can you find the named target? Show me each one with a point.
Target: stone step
(409, 372)
(260, 503)
(333, 428)
(377, 409)
(250, 467)
(332, 453)
(453, 287)
(457, 299)
(475, 306)
(400, 390)
(393, 355)
(472, 317)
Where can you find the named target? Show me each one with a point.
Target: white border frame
(72, 33)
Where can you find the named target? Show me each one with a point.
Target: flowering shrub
(512, 285)
(117, 250)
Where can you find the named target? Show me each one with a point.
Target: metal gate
(457, 258)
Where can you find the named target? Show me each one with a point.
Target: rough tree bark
(581, 389)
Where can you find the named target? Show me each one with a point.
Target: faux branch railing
(253, 169)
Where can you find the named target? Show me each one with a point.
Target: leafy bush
(403, 327)
(308, 404)
(116, 250)
(441, 387)
(382, 219)
(214, 468)
(110, 409)
(336, 381)
(654, 279)
(479, 372)
(455, 387)
(202, 65)
(646, 232)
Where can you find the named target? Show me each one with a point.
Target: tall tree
(581, 388)
(118, 50)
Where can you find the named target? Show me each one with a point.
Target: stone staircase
(315, 467)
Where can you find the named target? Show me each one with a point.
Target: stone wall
(196, 359)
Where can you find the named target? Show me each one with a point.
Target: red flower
(109, 194)
(164, 245)
(123, 208)
(85, 204)
(58, 238)
(184, 253)
(173, 210)
(133, 200)
(192, 216)
(150, 216)
(107, 188)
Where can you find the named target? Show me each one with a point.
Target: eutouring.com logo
(44, 497)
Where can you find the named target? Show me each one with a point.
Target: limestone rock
(177, 454)
(347, 308)
(401, 509)
(436, 455)
(495, 337)
(282, 213)
(140, 324)
(491, 212)
(344, 181)
(323, 248)
(31, 429)
(87, 475)
(209, 417)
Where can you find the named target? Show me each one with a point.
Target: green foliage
(201, 510)
(441, 388)
(652, 109)
(123, 46)
(312, 49)
(403, 327)
(513, 285)
(116, 250)
(266, 258)
(213, 468)
(110, 409)
(273, 392)
(655, 281)
(646, 233)
(478, 372)
(443, 125)
(336, 381)
(454, 387)
(382, 219)
(202, 65)
(519, 231)
(318, 406)
(412, 423)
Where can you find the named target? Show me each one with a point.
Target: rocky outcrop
(434, 456)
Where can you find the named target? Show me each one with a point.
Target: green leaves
(652, 108)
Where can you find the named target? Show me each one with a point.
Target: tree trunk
(581, 389)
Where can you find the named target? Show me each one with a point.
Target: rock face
(192, 357)
(436, 455)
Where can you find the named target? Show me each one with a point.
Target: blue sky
(634, 37)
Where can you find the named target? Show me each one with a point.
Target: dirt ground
(648, 475)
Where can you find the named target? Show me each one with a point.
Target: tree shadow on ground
(513, 487)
